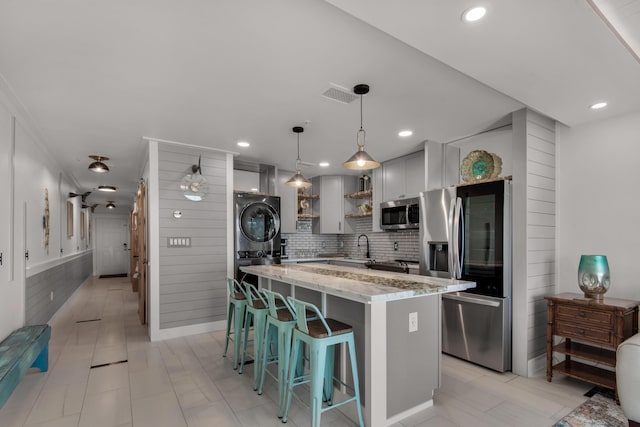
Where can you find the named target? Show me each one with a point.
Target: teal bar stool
(256, 312)
(321, 336)
(237, 305)
(277, 343)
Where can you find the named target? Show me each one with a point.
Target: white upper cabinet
(246, 181)
(403, 177)
(330, 206)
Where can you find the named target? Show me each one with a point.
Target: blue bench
(25, 348)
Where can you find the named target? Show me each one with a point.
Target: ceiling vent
(340, 94)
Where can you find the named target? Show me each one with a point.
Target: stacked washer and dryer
(257, 232)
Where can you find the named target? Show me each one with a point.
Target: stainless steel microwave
(400, 214)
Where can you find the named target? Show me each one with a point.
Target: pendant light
(361, 160)
(97, 165)
(111, 205)
(298, 180)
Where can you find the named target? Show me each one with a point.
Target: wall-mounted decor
(480, 165)
(194, 186)
(82, 225)
(45, 220)
(69, 219)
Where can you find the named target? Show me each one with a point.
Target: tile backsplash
(304, 243)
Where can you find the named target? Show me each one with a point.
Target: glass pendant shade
(97, 165)
(297, 180)
(361, 160)
(594, 277)
(194, 187)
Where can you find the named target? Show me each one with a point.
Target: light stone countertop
(356, 284)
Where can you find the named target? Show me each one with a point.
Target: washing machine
(257, 232)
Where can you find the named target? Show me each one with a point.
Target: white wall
(599, 201)
(31, 170)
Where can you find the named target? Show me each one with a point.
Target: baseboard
(536, 365)
(202, 328)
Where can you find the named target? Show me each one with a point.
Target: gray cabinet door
(403, 177)
(288, 203)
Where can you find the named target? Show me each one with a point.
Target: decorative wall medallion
(480, 165)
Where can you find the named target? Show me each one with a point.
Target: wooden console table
(599, 327)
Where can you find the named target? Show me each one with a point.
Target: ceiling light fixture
(108, 188)
(298, 180)
(598, 105)
(323, 164)
(194, 186)
(110, 205)
(97, 165)
(243, 144)
(474, 14)
(405, 133)
(361, 160)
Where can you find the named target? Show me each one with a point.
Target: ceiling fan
(83, 196)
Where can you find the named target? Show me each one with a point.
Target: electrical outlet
(395, 246)
(413, 321)
(51, 296)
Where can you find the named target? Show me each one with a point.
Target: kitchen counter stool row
(282, 327)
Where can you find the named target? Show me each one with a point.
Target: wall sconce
(194, 186)
(177, 214)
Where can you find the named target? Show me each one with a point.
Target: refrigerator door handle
(459, 240)
(472, 300)
(452, 239)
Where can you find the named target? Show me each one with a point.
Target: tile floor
(186, 382)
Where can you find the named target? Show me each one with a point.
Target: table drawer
(595, 335)
(586, 315)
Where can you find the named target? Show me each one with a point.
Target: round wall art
(480, 165)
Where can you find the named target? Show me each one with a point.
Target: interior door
(141, 251)
(112, 245)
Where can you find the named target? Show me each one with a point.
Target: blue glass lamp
(593, 276)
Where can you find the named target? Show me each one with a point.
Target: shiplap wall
(534, 225)
(60, 281)
(192, 287)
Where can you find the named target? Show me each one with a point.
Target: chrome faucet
(366, 237)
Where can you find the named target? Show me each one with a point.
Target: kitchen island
(396, 321)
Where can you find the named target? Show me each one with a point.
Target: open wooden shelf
(360, 195)
(307, 216)
(308, 196)
(587, 352)
(358, 215)
(592, 374)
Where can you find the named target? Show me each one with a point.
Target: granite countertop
(356, 284)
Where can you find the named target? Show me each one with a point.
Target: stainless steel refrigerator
(465, 233)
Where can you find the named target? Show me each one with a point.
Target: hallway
(185, 381)
(173, 383)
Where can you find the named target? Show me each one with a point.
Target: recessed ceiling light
(243, 144)
(405, 133)
(323, 164)
(598, 105)
(474, 14)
